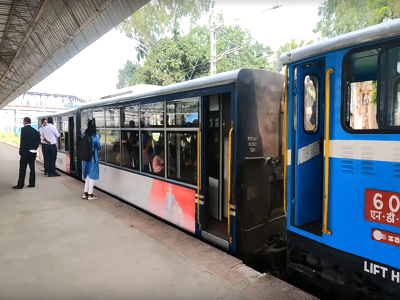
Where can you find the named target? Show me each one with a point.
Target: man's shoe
(56, 174)
(31, 186)
(17, 187)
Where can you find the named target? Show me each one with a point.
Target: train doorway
(217, 124)
(310, 93)
(71, 144)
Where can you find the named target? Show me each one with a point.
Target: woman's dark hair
(91, 129)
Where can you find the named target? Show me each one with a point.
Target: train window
(98, 117)
(360, 105)
(310, 114)
(113, 147)
(153, 152)
(60, 142)
(130, 149)
(389, 110)
(86, 115)
(66, 141)
(64, 125)
(84, 119)
(62, 137)
(152, 115)
(182, 156)
(183, 113)
(57, 125)
(130, 116)
(112, 117)
(348, 112)
(102, 152)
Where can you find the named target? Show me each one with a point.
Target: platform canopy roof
(39, 36)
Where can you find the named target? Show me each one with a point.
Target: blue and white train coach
(342, 164)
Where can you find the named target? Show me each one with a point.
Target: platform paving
(54, 245)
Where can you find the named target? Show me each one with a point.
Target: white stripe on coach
(385, 151)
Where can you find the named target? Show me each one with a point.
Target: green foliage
(160, 19)
(374, 91)
(188, 57)
(10, 137)
(253, 54)
(338, 17)
(293, 44)
(125, 74)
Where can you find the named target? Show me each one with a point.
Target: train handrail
(198, 176)
(327, 114)
(285, 155)
(229, 183)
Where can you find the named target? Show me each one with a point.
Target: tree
(384, 9)
(188, 57)
(252, 54)
(126, 74)
(338, 17)
(293, 44)
(162, 19)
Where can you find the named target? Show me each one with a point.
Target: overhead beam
(28, 34)
(42, 21)
(49, 37)
(8, 22)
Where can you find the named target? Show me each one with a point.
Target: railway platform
(54, 245)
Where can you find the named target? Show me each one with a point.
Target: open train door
(72, 147)
(309, 145)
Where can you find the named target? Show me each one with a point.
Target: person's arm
(98, 144)
(38, 139)
(55, 131)
(22, 141)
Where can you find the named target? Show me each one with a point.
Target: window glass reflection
(153, 152)
(183, 113)
(152, 114)
(182, 156)
(130, 116)
(310, 119)
(98, 116)
(101, 133)
(130, 149)
(113, 145)
(112, 117)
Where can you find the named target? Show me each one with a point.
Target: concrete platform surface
(54, 245)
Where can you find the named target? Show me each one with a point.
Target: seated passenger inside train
(158, 161)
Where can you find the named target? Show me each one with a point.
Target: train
(216, 135)
(342, 165)
(300, 169)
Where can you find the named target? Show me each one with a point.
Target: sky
(93, 72)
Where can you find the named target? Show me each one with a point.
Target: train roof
(59, 113)
(199, 83)
(370, 34)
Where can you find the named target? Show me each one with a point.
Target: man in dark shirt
(29, 143)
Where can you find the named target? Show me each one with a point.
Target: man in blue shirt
(50, 136)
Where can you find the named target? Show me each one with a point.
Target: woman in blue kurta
(90, 169)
